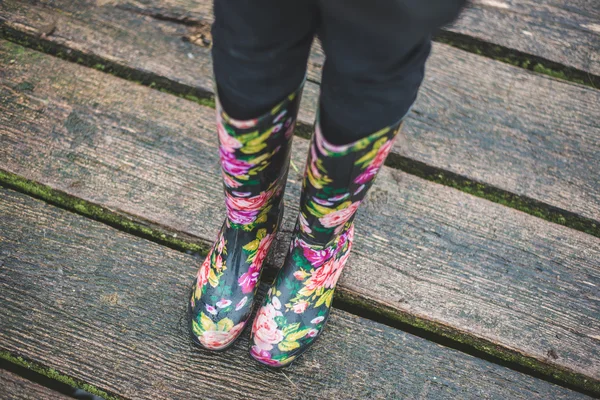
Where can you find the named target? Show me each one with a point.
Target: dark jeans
(375, 57)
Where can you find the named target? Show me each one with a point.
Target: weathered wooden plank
(476, 267)
(490, 122)
(14, 387)
(107, 308)
(565, 32)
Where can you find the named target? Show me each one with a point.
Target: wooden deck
(484, 225)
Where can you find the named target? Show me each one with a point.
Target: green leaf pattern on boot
(254, 157)
(296, 307)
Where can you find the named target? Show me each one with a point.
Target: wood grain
(487, 121)
(14, 387)
(106, 308)
(566, 32)
(422, 249)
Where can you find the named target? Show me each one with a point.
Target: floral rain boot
(296, 307)
(254, 158)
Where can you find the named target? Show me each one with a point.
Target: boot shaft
(336, 180)
(254, 158)
(297, 305)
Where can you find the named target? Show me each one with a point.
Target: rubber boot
(254, 157)
(296, 307)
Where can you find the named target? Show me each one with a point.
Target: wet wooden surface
(439, 254)
(493, 123)
(108, 308)
(14, 387)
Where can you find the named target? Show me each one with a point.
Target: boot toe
(220, 340)
(277, 357)
(265, 357)
(217, 336)
(214, 334)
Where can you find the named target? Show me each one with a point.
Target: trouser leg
(375, 61)
(260, 51)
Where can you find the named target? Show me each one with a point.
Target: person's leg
(260, 51)
(375, 59)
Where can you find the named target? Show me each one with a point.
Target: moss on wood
(56, 375)
(518, 59)
(500, 196)
(96, 212)
(452, 337)
(21, 40)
